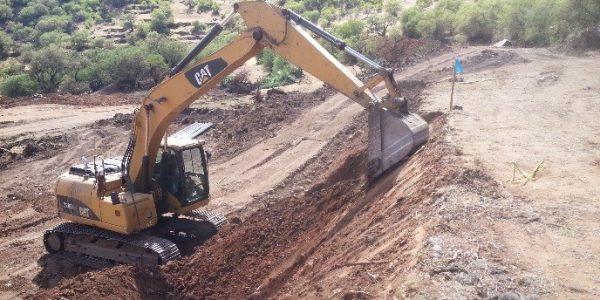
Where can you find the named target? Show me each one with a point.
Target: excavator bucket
(392, 137)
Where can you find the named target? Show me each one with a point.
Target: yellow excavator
(137, 209)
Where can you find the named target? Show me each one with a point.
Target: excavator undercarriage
(99, 248)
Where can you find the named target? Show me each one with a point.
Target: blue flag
(458, 67)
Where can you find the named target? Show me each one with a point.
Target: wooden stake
(452, 93)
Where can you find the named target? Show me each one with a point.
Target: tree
(584, 13)
(48, 66)
(128, 66)
(6, 44)
(379, 24)
(5, 12)
(32, 12)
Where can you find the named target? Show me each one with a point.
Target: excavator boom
(393, 131)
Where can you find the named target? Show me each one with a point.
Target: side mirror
(208, 155)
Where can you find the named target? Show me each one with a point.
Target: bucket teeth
(392, 137)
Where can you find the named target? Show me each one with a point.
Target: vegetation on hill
(47, 45)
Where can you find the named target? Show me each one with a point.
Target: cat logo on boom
(198, 75)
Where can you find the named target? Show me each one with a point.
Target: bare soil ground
(445, 224)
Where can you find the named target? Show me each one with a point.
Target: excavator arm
(393, 132)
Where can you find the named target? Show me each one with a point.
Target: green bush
(32, 12)
(207, 5)
(379, 24)
(437, 24)
(56, 38)
(128, 66)
(281, 71)
(128, 22)
(478, 21)
(423, 4)
(54, 23)
(350, 31)
(583, 13)
(18, 85)
(170, 50)
(392, 8)
(139, 33)
(531, 23)
(80, 40)
(296, 6)
(10, 67)
(312, 15)
(328, 15)
(157, 67)
(197, 27)
(24, 34)
(161, 19)
(70, 85)
(409, 20)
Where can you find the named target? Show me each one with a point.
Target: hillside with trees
(49, 46)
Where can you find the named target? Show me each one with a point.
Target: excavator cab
(181, 170)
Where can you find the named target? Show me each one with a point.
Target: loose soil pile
(402, 52)
(235, 130)
(12, 150)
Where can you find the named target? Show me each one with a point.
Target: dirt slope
(446, 224)
(543, 109)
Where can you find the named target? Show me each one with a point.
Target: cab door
(195, 175)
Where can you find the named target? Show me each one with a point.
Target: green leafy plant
(18, 85)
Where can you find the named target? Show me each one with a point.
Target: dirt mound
(68, 99)
(30, 148)
(126, 282)
(237, 129)
(484, 60)
(403, 51)
(118, 120)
